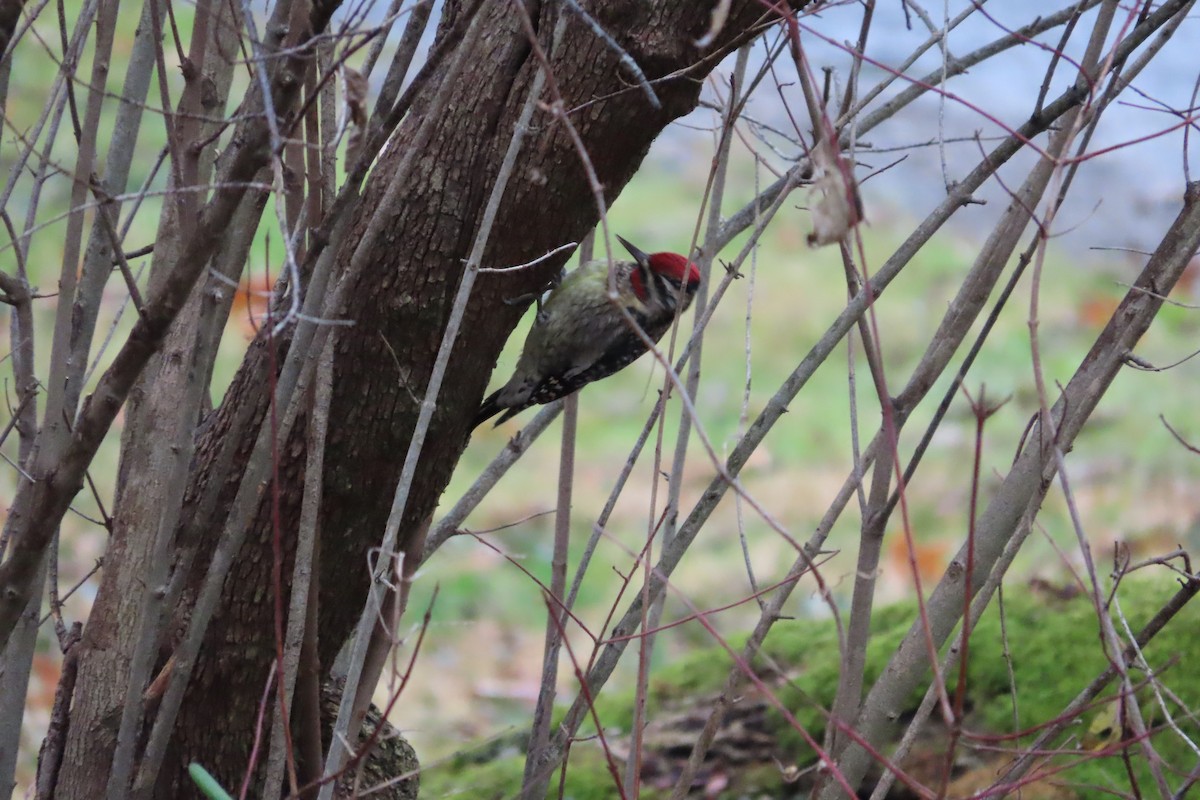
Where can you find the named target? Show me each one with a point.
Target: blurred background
(478, 672)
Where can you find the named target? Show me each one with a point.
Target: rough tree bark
(399, 308)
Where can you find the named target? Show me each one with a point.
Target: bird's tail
(508, 414)
(489, 409)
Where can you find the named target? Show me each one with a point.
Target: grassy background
(1132, 481)
(479, 669)
(800, 666)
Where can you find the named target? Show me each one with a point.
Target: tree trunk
(399, 308)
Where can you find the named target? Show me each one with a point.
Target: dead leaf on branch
(833, 198)
(720, 14)
(354, 94)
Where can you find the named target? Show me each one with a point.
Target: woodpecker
(580, 335)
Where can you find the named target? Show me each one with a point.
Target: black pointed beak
(637, 254)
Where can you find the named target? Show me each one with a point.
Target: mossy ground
(1053, 645)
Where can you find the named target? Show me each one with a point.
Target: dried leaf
(1105, 730)
(834, 200)
(931, 557)
(790, 773)
(716, 784)
(158, 686)
(249, 306)
(354, 92)
(1095, 309)
(716, 22)
(354, 143)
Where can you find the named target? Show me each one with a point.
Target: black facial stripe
(668, 290)
(650, 281)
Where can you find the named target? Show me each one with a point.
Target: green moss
(816, 661)
(589, 777)
(1054, 649)
(498, 778)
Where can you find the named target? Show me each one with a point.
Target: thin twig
(556, 618)
(448, 525)
(549, 254)
(713, 201)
